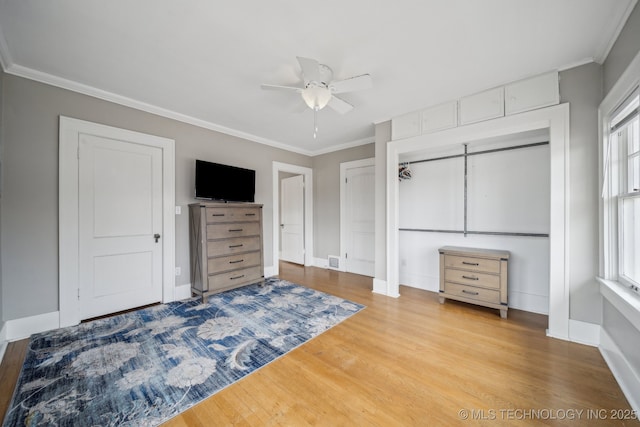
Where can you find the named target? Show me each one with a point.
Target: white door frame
(291, 255)
(343, 195)
(556, 120)
(308, 212)
(70, 130)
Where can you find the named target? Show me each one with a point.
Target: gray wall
(623, 51)
(1, 193)
(29, 210)
(582, 88)
(326, 195)
(622, 332)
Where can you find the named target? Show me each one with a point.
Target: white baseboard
(528, 302)
(183, 292)
(18, 329)
(584, 332)
(320, 262)
(270, 271)
(3, 340)
(427, 283)
(380, 287)
(628, 379)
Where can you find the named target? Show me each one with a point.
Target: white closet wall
(507, 192)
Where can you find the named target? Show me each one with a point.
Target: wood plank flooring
(408, 361)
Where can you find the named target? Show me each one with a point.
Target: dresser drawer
(232, 246)
(472, 263)
(232, 229)
(233, 262)
(471, 292)
(472, 278)
(224, 280)
(222, 214)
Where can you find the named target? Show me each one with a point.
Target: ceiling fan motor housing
(325, 74)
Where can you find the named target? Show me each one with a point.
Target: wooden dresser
(225, 246)
(476, 276)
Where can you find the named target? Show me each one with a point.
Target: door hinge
(346, 255)
(78, 294)
(346, 180)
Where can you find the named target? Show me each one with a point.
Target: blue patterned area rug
(144, 367)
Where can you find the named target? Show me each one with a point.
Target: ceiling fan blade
(340, 105)
(351, 84)
(300, 108)
(276, 87)
(310, 69)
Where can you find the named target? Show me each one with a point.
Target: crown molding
(355, 143)
(605, 47)
(73, 86)
(575, 64)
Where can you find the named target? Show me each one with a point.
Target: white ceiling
(203, 61)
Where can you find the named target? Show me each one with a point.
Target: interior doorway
(292, 245)
(307, 174)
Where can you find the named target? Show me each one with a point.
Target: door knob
(157, 237)
(281, 225)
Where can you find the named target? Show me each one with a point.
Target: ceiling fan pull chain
(315, 123)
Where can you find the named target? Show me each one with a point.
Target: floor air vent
(334, 262)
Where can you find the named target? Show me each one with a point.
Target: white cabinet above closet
(440, 117)
(405, 126)
(517, 97)
(482, 106)
(529, 94)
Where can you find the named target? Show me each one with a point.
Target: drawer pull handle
(235, 262)
(236, 246)
(236, 229)
(237, 277)
(470, 278)
(250, 214)
(217, 214)
(464, 291)
(470, 263)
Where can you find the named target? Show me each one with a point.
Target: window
(621, 191)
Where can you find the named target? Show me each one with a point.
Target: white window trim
(611, 287)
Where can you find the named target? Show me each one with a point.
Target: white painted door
(120, 221)
(292, 219)
(359, 224)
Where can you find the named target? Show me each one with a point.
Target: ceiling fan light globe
(316, 97)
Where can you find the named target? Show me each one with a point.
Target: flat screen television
(224, 183)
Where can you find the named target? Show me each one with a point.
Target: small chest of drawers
(476, 276)
(225, 246)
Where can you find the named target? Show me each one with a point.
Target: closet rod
(487, 233)
(493, 150)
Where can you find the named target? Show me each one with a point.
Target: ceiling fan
(320, 89)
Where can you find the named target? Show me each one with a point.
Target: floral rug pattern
(144, 367)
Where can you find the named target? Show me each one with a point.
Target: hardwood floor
(409, 361)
